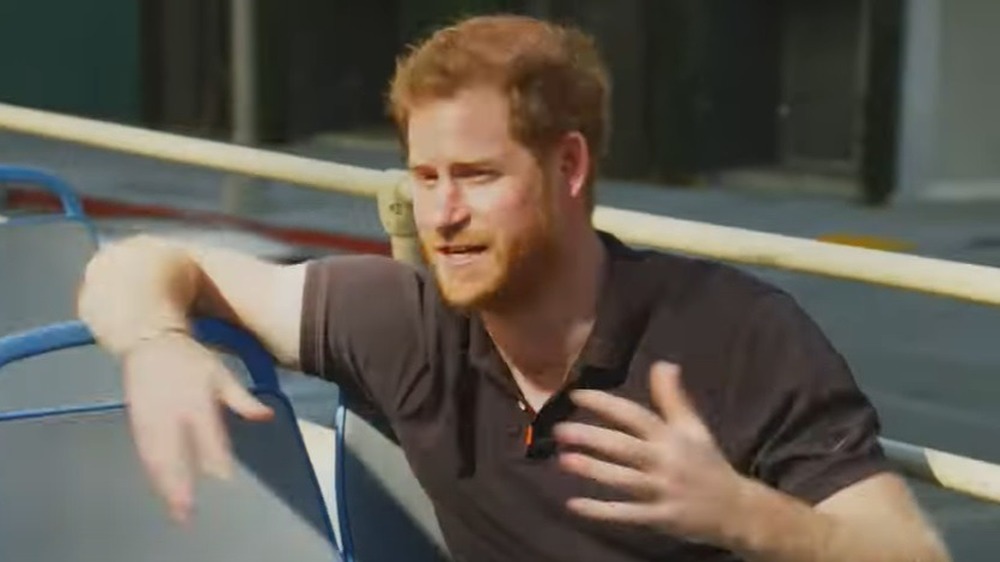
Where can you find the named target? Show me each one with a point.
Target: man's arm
(142, 287)
(137, 297)
(874, 519)
(823, 489)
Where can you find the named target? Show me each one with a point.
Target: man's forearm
(774, 527)
(135, 289)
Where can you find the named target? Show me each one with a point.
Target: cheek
(423, 209)
(504, 209)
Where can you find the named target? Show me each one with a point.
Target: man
(559, 395)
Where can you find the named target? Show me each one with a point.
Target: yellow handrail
(945, 278)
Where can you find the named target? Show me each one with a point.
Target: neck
(541, 339)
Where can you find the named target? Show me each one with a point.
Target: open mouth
(462, 249)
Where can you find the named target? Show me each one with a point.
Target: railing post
(241, 194)
(395, 210)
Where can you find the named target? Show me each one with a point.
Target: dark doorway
(823, 86)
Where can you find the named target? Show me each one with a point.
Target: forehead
(471, 125)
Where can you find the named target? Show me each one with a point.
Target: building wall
(950, 141)
(970, 91)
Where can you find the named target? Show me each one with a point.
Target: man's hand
(174, 388)
(137, 297)
(670, 463)
(683, 485)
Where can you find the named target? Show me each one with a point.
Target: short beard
(527, 264)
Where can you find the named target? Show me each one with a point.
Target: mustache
(436, 240)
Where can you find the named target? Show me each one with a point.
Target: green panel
(71, 56)
(673, 73)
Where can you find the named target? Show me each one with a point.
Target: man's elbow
(121, 255)
(127, 273)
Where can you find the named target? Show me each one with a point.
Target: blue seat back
(378, 496)
(71, 486)
(42, 258)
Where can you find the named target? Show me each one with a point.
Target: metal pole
(972, 477)
(237, 196)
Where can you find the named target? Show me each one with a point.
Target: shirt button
(522, 405)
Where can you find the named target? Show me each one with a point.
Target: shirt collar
(628, 295)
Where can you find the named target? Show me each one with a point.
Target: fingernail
(180, 513)
(664, 368)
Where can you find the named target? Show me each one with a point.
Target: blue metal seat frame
(258, 362)
(72, 208)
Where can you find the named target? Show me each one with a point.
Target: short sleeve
(361, 325)
(813, 429)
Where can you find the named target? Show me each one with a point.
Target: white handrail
(198, 152)
(946, 278)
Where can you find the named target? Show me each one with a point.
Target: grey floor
(931, 365)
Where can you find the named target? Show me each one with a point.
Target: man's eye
(426, 180)
(482, 176)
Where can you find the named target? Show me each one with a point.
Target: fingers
(629, 480)
(609, 443)
(209, 435)
(237, 398)
(672, 401)
(210, 440)
(614, 512)
(177, 422)
(667, 394)
(161, 450)
(622, 412)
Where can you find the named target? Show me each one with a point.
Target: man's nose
(451, 211)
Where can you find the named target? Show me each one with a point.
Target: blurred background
(875, 100)
(865, 122)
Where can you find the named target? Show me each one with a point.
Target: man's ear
(573, 156)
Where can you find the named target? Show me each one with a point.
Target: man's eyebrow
(463, 164)
(479, 163)
(413, 167)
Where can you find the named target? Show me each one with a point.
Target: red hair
(552, 76)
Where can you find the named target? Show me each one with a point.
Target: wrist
(152, 332)
(738, 528)
(766, 524)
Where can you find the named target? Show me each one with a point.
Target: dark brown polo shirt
(779, 399)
